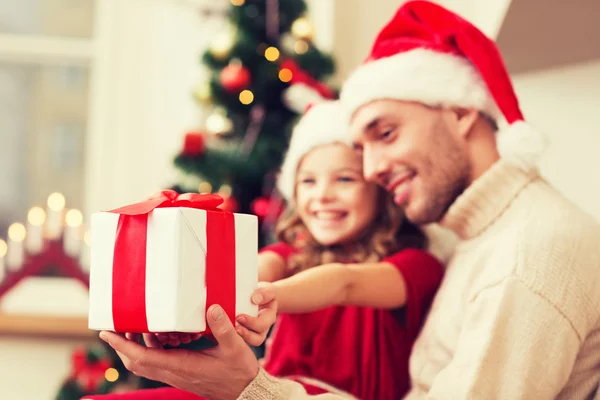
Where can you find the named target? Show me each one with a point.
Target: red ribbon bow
(170, 198)
(129, 261)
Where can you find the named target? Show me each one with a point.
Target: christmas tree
(263, 70)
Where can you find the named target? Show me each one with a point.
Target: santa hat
(430, 55)
(322, 123)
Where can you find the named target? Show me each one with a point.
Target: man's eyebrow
(372, 125)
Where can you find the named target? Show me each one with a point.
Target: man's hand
(219, 373)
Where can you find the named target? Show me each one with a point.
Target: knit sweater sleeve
(267, 387)
(514, 344)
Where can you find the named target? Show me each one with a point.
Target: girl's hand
(175, 339)
(254, 330)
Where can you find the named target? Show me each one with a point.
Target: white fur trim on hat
(521, 145)
(324, 123)
(425, 76)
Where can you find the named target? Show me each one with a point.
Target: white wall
(563, 103)
(149, 63)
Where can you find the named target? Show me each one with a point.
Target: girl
(353, 283)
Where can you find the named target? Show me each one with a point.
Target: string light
(56, 201)
(246, 97)
(36, 216)
(238, 3)
(272, 53)
(74, 218)
(205, 188)
(217, 123)
(285, 75)
(225, 190)
(111, 375)
(300, 47)
(17, 232)
(302, 28)
(3, 248)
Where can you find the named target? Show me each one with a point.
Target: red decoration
(299, 76)
(193, 144)
(230, 204)
(52, 254)
(263, 206)
(89, 374)
(235, 78)
(129, 265)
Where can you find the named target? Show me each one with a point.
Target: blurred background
(104, 102)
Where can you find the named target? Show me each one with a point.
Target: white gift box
(174, 289)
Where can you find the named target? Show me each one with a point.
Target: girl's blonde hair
(388, 233)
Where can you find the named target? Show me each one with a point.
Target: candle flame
(56, 202)
(87, 237)
(36, 216)
(3, 248)
(74, 218)
(17, 232)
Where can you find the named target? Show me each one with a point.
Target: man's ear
(465, 119)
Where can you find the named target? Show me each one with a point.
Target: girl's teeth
(329, 216)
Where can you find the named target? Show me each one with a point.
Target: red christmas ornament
(193, 144)
(229, 204)
(89, 374)
(235, 77)
(262, 206)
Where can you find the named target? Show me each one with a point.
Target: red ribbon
(129, 262)
(301, 76)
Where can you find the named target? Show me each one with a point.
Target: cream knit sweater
(518, 313)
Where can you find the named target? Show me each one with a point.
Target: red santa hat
(428, 54)
(322, 123)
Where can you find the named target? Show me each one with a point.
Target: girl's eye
(386, 134)
(346, 179)
(307, 181)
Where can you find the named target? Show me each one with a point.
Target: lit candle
(14, 254)
(35, 222)
(84, 258)
(72, 237)
(54, 225)
(3, 248)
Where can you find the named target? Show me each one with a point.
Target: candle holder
(53, 250)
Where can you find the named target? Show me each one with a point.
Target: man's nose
(375, 167)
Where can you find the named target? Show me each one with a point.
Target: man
(518, 313)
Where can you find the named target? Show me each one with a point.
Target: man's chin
(420, 215)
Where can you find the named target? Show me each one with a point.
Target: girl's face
(334, 201)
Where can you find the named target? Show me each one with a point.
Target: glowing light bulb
(56, 202)
(74, 218)
(246, 97)
(36, 216)
(17, 232)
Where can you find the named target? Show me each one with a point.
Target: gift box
(156, 266)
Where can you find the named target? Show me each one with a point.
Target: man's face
(416, 152)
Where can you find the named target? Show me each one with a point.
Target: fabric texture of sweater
(518, 313)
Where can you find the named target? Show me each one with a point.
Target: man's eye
(346, 179)
(307, 180)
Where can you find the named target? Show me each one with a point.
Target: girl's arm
(271, 267)
(378, 285)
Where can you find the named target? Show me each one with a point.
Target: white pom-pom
(298, 96)
(521, 145)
